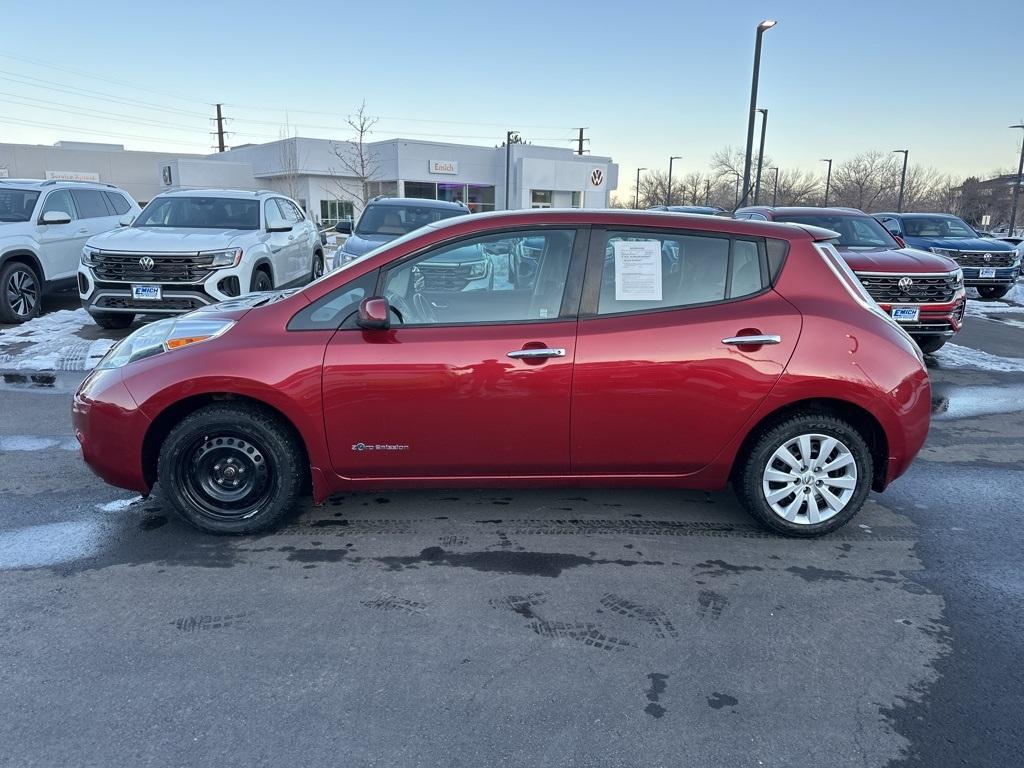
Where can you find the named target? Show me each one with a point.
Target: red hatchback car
(644, 349)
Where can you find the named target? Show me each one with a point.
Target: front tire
(21, 293)
(929, 345)
(231, 469)
(993, 291)
(260, 281)
(113, 320)
(318, 267)
(805, 476)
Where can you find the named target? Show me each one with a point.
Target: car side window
(648, 271)
(289, 211)
(507, 277)
(118, 203)
(272, 211)
(890, 224)
(91, 204)
(757, 217)
(329, 312)
(59, 200)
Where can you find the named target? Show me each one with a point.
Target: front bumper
(100, 297)
(110, 429)
(934, 319)
(1003, 276)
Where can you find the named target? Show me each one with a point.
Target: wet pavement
(472, 628)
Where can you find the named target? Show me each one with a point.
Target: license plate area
(987, 272)
(906, 314)
(146, 292)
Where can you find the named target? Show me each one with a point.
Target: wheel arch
(266, 265)
(857, 416)
(26, 257)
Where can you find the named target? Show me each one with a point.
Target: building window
(540, 198)
(425, 190)
(452, 193)
(577, 200)
(480, 197)
(333, 211)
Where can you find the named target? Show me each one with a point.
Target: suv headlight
(958, 279)
(942, 252)
(478, 269)
(89, 256)
(225, 259)
(163, 336)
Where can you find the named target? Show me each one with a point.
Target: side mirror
(56, 217)
(344, 227)
(898, 239)
(126, 220)
(374, 314)
(279, 225)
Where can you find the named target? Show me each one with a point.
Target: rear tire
(929, 345)
(231, 469)
(807, 494)
(114, 320)
(318, 267)
(21, 293)
(260, 281)
(993, 291)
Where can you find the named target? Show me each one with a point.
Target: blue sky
(648, 79)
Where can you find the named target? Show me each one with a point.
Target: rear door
(467, 383)
(661, 380)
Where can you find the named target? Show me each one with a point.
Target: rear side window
(118, 203)
(91, 203)
(644, 271)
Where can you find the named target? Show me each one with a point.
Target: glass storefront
(333, 211)
(540, 198)
(479, 197)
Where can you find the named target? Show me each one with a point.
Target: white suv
(190, 248)
(43, 226)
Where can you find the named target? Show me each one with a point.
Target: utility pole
(775, 193)
(580, 140)
(1016, 187)
(707, 192)
(903, 178)
(220, 130)
(636, 203)
(760, 154)
(668, 193)
(763, 27)
(509, 136)
(828, 179)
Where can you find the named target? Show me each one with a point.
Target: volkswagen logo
(905, 284)
(147, 263)
(597, 177)
(987, 257)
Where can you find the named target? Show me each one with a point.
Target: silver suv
(43, 226)
(190, 248)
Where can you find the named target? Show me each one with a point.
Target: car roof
(798, 210)
(612, 217)
(232, 193)
(38, 184)
(420, 202)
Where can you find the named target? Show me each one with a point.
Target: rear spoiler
(818, 234)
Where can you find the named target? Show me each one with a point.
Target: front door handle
(83, 231)
(752, 341)
(517, 354)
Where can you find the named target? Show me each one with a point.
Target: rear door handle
(750, 341)
(517, 354)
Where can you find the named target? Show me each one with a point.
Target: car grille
(885, 289)
(444, 278)
(977, 258)
(166, 304)
(167, 268)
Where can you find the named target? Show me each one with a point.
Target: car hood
(233, 309)
(357, 245)
(961, 243)
(167, 239)
(909, 260)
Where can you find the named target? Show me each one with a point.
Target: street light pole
(636, 203)
(903, 178)
(828, 179)
(707, 191)
(775, 192)
(736, 198)
(668, 193)
(508, 165)
(1016, 187)
(761, 29)
(760, 154)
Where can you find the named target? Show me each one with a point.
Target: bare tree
(288, 160)
(358, 160)
(796, 187)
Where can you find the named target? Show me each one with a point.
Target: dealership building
(327, 177)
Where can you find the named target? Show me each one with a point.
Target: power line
(99, 133)
(85, 112)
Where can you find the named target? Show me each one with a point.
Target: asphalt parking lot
(472, 628)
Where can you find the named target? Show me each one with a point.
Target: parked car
(991, 266)
(43, 226)
(192, 248)
(703, 210)
(387, 218)
(760, 360)
(923, 292)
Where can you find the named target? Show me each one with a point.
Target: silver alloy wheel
(809, 479)
(22, 292)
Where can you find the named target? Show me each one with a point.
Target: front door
(661, 383)
(474, 377)
(61, 244)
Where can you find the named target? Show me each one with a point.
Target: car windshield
(937, 226)
(17, 204)
(401, 219)
(201, 213)
(854, 231)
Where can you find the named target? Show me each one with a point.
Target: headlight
(223, 259)
(163, 336)
(89, 256)
(479, 269)
(942, 252)
(958, 279)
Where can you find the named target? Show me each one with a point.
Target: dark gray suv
(387, 218)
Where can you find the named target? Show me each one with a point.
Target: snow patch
(34, 443)
(50, 343)
(118, 505)
(955, 356)
(50, 544)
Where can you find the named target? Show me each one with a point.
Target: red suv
(924, 292)
(646, 349)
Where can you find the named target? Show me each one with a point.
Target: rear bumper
(110, 429)
(934, 319)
